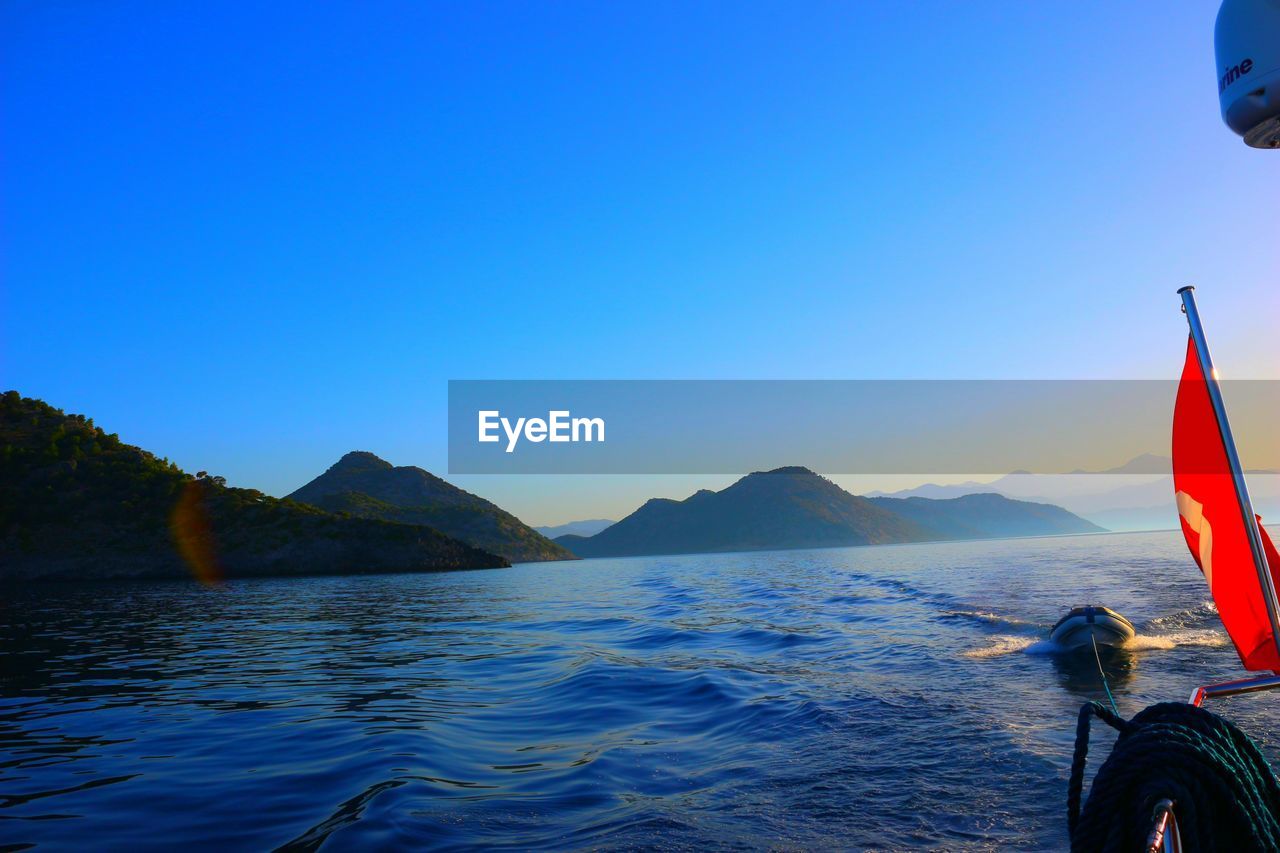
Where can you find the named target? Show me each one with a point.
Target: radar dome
(1247, 44)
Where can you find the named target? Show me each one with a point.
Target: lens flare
(192, 533)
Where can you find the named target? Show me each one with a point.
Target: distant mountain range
(586, 527)
(363, 485)
(77, 503)
(1137, 495)
(795, 508)
(1143, 463)
(987, 516)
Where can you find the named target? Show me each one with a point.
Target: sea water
(881, 697)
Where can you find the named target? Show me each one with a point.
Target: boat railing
(1164, 836)
(1233, 688)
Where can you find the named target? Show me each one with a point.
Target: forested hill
(77, 503)
(362, 484)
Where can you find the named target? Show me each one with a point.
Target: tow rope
(1102, 673)
(1225, 796)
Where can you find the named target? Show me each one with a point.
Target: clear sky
(253, 236)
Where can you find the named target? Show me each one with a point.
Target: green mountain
(77, 503)
(796, 508)
(364, 485)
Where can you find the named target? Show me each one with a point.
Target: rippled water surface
(865, 697)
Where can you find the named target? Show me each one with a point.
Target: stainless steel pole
(1234, 688)
(1233, 460)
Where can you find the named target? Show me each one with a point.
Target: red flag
(1213, 522)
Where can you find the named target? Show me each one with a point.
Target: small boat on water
(1084, 627)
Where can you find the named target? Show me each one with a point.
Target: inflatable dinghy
(1084, 626)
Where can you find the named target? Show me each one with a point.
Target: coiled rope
(1225, 796)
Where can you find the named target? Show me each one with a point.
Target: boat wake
(989, 618)
(1008, 644)
(1203, 615)
(1190, 637)
(1194, 626)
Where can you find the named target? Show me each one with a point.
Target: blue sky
(254, 236)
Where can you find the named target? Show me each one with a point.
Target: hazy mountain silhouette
(796, 508)
(363, 485)
(987, 516)
(1137, 495)
(77, 503)
(1143, 463)
(1147, 467)
(585, 527)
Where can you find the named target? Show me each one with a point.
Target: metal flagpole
(1233, 460)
